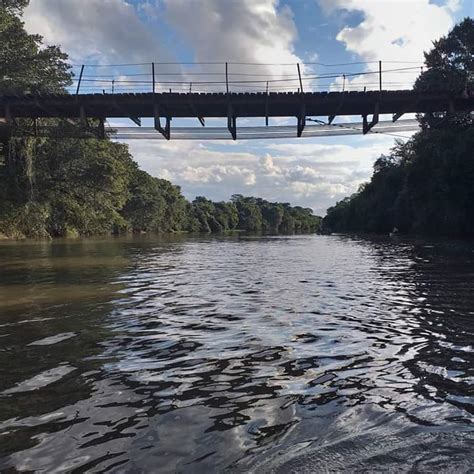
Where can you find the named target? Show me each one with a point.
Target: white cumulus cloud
(104, 30)
(392, 30)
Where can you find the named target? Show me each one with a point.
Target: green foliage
(425, 185)
(145, 208)
(26, 66)
(251, 215)
(450, 67)
(14, 7)
(175, 214)
(60, 186)
(83, 183)
(18, 222)
(83, 187)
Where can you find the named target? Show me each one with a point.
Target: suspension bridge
(298, 96)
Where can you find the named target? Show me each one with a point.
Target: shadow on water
(239, 353)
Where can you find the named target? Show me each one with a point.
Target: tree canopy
(26, 65)
(450, 67)
(425, 185)
(57, 186)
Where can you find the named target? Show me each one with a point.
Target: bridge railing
(244, 77)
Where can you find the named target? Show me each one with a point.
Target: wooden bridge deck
(230, 106)
(241, 104)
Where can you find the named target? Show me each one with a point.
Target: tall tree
(26, 65)
(426, 184)
(450, 67)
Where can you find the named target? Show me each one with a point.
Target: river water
(238, 354)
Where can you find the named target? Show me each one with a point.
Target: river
(238, 354)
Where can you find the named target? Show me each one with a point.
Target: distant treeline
(425, 185)
(66, 187)
(54, 187)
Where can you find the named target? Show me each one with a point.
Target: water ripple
(246, 354)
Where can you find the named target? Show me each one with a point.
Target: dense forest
(56, 186)
(425, 185)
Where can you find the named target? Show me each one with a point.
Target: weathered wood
(243, 104)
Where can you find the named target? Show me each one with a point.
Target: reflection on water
(248, 354)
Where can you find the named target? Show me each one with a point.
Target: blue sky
(309, 172)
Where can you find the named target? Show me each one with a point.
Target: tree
(450, 67)
(26, 66)
(426, 184)
(250, 215)
(272, 215)
(176, 206)
(14, 7)
(145, 208)
(227, 215)
(58, 186)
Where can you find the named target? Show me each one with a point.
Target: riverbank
(423, 186)
(59, 187)
(233, 232)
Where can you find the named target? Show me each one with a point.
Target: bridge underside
(163, 107)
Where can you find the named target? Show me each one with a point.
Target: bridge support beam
(396, 116)
(399, 114)
(338, 108)
(232, 122)
(166, 131)
(136, 120)
(366, 126)
(194, 112)
(301, 120)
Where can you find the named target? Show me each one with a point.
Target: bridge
(89, 112)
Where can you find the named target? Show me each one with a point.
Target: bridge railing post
(266, 106)
(380, 76)
(80, 79)
(299, 76)
(227, 77)
(153, 76)
(301, 118)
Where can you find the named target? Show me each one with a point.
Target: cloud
(104, 30)
(244, 31)
(303, 173)
(119, 31)
(392, 30)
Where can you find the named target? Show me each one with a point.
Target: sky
(318, 34)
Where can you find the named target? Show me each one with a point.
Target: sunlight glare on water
(268, 354)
